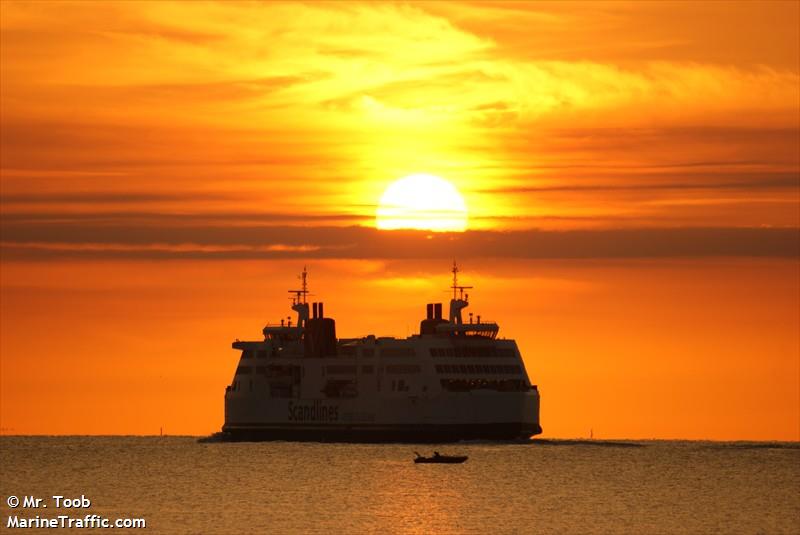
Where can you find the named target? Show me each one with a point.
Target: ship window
(366, 369)
(403, 368)
(347, 351)
(397, 352)
(475, 352)
(242, 370)
(501, 385)
(340, 369)
(261, 369)
(247, 354)
(470, 369)
(462, 368)
(262, 354)
(505, 352)
(367, 352)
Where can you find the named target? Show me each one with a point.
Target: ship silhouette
(454, 380)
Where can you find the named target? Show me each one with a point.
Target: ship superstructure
(454, 380)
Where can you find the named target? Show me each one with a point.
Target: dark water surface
(562, 487)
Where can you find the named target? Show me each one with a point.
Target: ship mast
(299, 304)
(300, 295)
(456, 287)
(459, 300)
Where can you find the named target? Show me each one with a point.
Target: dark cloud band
(24, 241)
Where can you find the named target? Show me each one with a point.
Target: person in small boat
(436, 454)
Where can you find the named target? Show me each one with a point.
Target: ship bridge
(435, 324)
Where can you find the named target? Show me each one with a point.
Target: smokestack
(438, 311)
(429, 311)
(314, 306)
(321, 315)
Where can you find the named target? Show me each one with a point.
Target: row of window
(473, 351)
(458, 351)
(501, 385)
(346, 369)
(333, 369)
(341, 369)
(259, 354)
(269, 371)
(477, 368)
(276, 390)
(403, 368)
(346, 351)
(397, 352)
(351, 351)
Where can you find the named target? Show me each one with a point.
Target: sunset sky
(630, 170)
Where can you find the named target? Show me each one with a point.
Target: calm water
(181, 486)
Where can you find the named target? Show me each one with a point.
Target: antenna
(455, 286)
(455, 278)
(300, 295)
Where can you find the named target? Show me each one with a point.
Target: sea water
(180, 485)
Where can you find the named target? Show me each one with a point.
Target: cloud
(103, 197)
(730, 181)
(31, 240)
(304, 105)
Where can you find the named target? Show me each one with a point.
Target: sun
(424, 202)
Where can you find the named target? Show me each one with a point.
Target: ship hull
(422, 433)
(481, 415)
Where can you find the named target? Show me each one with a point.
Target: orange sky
(167, 168)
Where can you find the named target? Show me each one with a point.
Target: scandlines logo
(317, 412)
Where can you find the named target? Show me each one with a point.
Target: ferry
(454, 380)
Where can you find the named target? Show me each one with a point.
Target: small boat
(440, 459)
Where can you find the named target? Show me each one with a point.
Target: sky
(631, 172)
